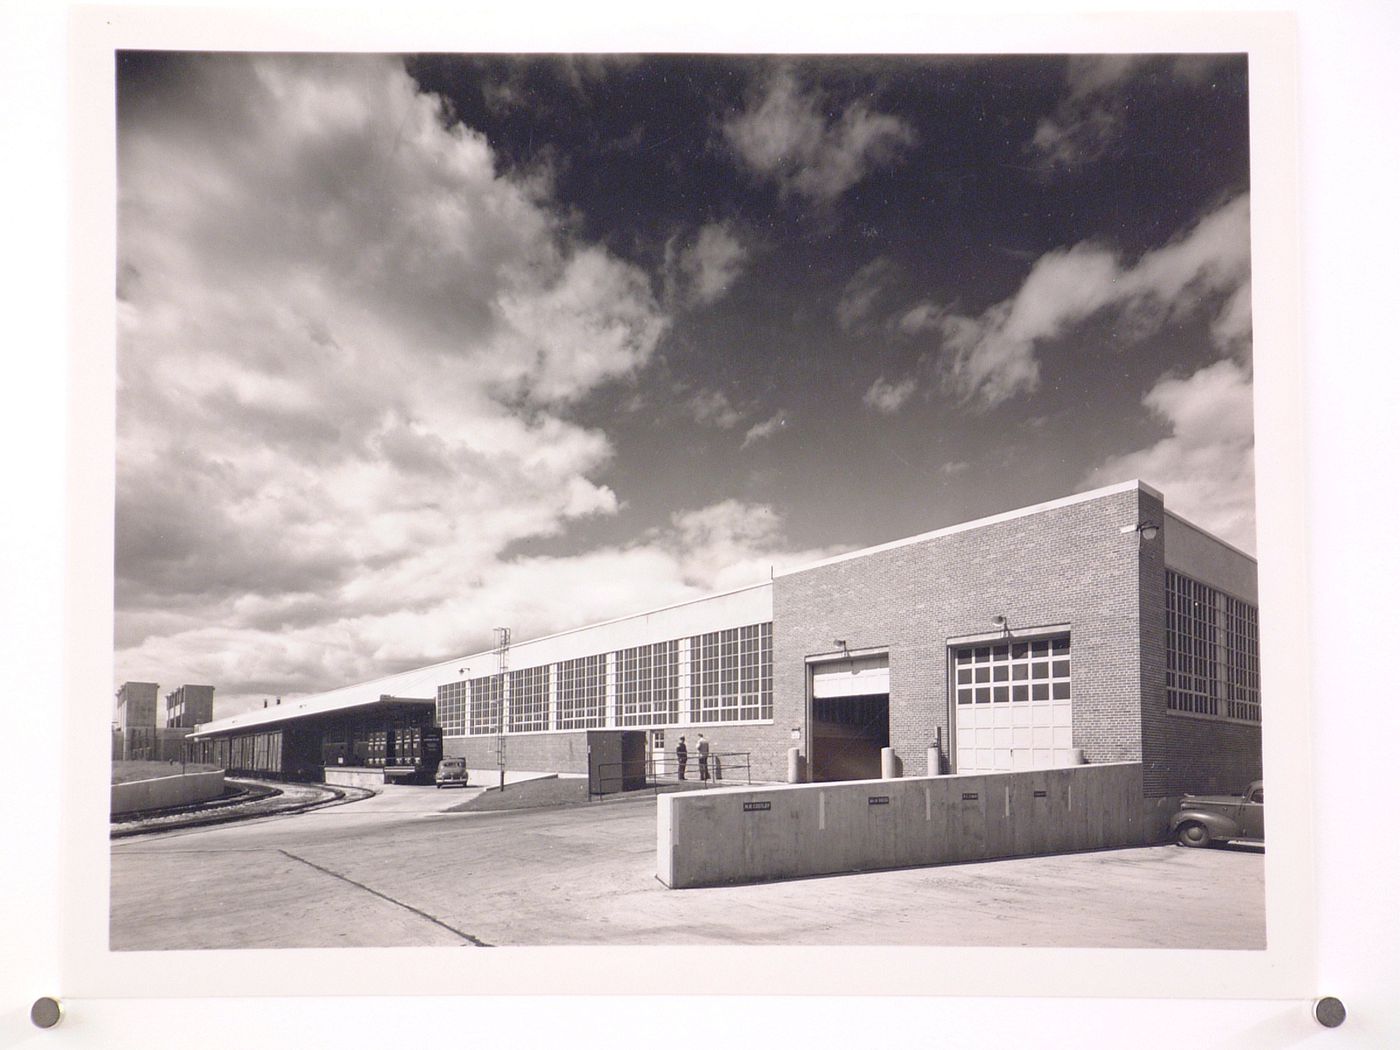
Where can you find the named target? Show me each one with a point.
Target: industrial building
(1097, 628)
(136, 736)
(189, 706)
(134, 731)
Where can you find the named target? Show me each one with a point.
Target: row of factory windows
(720, 676)
(1212, 652)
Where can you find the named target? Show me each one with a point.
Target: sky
(410, 347)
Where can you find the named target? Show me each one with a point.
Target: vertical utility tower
(502, 669)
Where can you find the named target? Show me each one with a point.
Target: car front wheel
(1193, 835)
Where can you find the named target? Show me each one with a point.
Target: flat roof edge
(977, 523)
(616, 619)
(1210, 535)
(286, 713)
(425, 669)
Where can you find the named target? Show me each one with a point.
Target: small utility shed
(617, 760)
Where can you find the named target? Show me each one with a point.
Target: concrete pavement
(401, 872)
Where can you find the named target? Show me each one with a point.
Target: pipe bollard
(935, 762)
(794, 770)
(887, 764)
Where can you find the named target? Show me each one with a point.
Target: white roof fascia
(264, 716)
(968, 526)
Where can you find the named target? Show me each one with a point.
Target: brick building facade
(1095, 628)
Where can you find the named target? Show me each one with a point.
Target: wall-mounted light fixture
(1146, 530)
(1000, 623)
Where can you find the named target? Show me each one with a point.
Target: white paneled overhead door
(854, 676)
(1013, 706)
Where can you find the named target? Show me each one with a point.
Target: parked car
(1205, 819)
(451, 771)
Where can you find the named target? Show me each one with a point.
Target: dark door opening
(848, 733)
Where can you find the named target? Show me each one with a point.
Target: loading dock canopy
(279, 715)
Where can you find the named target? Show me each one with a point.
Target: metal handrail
(725, 767)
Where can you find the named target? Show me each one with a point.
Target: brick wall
(767, 747)
(1152, 613)
(1206, 757)
(1065, 565)
(535, 752)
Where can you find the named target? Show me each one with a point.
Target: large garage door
(1013, 705)
(855, 676)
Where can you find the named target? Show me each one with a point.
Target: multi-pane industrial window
(529, 699)
(731, 674)
(648, 684)
(1212, 652)
(582, 692)
(1012, 672)
(452, 708)
(486, 705)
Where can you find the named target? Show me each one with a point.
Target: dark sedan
(1206, 819)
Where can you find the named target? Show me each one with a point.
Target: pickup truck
(1205, 819)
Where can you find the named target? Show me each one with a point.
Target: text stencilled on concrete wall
(757, 807)
(969, 796)
(879, 800)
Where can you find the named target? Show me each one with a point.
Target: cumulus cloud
(707, 550)
(1205, 467)
(713, 408)
(992, 357)
(765, 429)
(861, 294)
(704, 270)
(733, 544)
(347, 347)
(793, 138)
(1090, 116)
(1086, 121)
(888, 397)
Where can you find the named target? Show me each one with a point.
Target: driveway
(396, 871)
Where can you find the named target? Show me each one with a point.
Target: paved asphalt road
(395, 870)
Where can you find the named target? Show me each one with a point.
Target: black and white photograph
(702, 525)
(685, 499)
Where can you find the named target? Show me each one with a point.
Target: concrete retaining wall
(354, 776)
(750, 834)
(163, 792)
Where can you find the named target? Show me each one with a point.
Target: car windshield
(454, 763)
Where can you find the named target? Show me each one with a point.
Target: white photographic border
(1287, 969)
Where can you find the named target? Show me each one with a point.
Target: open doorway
(850, 715)
(848, 733)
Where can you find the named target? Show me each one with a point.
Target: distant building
(136, 704)
(136, 720)
(189, 706)
(136, 735)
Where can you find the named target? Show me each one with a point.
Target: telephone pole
(503, 670)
